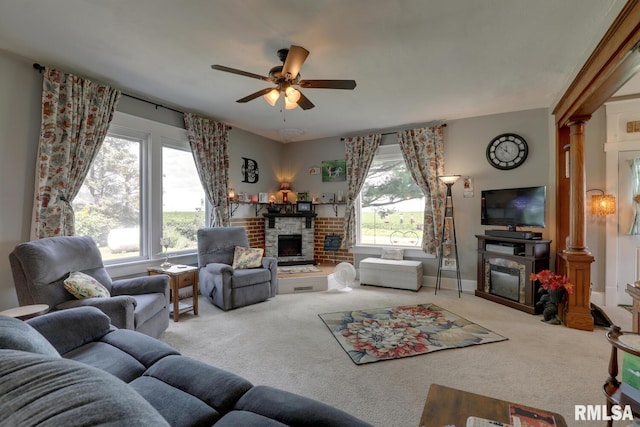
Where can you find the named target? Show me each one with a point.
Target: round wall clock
(507, 151)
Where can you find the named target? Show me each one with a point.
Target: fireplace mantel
(308, 216)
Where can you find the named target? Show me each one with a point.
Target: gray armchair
(40, 267)
(219, 282)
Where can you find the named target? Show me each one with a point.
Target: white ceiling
(414, 61)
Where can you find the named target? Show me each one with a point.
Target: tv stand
(504, 267)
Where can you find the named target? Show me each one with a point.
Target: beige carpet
(283, 343)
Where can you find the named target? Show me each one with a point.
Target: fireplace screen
(289, 245)
(505, 282)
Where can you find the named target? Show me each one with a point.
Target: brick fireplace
(290, 238)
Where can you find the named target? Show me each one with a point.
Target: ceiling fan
(285, 77)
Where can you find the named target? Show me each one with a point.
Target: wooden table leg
(176, 299)
(196, 292)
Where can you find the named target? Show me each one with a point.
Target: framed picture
(303, 207)
(332, 243)
(334, 170)
(467, 186)
(263, 197)
(314, 170)
(449, 264)
(303, 196)
(327, 198)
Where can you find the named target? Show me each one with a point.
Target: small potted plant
(555, 287)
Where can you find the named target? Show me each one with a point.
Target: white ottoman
(401, 274)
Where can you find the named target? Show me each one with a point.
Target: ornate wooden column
(577, 258)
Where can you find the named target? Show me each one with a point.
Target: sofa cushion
(82, 286)
(294, 410)
(109, 359)
(247, 258)
(39, 390)
(143, 348)
(165, 399)
(18, 335)
(244, 418)
(250, 277)
(216, 387)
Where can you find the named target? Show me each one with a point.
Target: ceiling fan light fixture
(288, 105)
(292, 94)
(272, 97)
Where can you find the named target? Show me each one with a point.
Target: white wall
(20, 87)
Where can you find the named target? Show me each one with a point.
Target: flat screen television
(514, 207)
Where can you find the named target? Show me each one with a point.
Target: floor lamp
(449, 180)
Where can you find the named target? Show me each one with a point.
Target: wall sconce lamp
(232, 194)
(285, 187)
(602, 204)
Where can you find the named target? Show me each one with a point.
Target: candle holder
(165, 242)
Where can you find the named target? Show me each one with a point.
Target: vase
(551, 302)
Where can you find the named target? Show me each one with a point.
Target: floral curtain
(635, 176)
(208, 141)
(76, 114)
(360, 151)
(423, 153)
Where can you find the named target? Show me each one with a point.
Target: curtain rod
(393, 133)
(40, 69)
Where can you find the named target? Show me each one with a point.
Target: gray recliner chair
(219, 282)
(40, 267)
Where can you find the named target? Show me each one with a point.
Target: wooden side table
(26, 311)
(180, 276)
(449, 406)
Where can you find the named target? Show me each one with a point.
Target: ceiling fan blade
(240, 72)
(255, 95)
(304, 102)
(295, 58)
(328, 84)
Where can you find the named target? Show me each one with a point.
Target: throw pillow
(247, 257)
(82, 286)
(395, 254)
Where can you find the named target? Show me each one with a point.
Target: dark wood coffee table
(449, 406)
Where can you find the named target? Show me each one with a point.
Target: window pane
(107, 207)
(391, 204)
(183, 207)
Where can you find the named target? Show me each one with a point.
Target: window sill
(409, 252)
(139, 267)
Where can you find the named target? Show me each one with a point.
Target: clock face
(507, 151)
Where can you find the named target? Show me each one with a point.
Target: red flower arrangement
(551, 281)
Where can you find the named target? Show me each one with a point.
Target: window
(391, 205)
(107, 207)
(183, 199)
(142, 186)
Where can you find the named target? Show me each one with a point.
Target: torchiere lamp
(448, 180)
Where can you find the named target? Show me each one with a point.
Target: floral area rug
(291, 269)
(408, 330)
